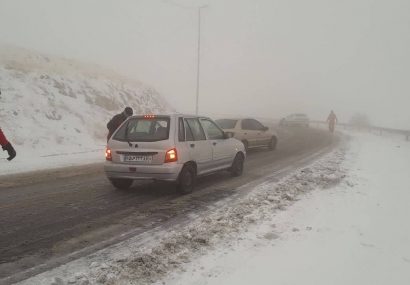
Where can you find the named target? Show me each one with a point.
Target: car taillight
(108, 154)
(171, 155)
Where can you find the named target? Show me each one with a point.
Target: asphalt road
(50, 217)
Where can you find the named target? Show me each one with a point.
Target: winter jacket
(114, 123)
(6, 145)
(332, 119)
(3, 140)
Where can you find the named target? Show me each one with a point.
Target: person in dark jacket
(332, 120)
(117, 120)
(6, 145)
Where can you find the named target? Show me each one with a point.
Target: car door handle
(192, 145)
(214, 143)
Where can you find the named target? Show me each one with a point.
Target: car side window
(247, 124)
(181, 130)
(257, 125)
(212, 130)
(196, 129)
(188, 133)
(121, 133)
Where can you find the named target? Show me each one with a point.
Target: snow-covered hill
(51, 105)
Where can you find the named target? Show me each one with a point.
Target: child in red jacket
(6, 145)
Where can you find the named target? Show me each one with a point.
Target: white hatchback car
(174, 148)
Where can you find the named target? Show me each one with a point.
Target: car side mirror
(265, 128)
(228, 135)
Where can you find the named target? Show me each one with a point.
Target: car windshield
(144, 130)
(226, 123)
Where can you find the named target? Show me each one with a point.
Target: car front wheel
(272, 143)
(246, 145)
(187, 179)
(237, 165)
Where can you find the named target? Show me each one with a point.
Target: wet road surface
(48, 215)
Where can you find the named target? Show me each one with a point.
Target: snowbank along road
(345, 223)
(49, 218)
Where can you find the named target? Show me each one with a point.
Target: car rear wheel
(121, 183)
(237, 165)
(187, 179)
(272, 144)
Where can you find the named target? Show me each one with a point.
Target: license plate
(138, 158)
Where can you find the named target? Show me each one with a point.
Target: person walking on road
(332, 120)
(117, 120)
(6, 145)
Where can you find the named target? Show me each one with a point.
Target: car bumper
(165, 172)
(298, 123)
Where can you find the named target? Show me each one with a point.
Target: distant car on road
(301, 120)
(250, 131)
(175, 148)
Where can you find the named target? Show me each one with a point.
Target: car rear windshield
(144, 130)
(301, 115)
(226, 123)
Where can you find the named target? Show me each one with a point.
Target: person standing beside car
(332, 120)
(117, 120)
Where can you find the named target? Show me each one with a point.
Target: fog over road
(54, 216)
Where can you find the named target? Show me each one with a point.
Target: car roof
(172, 115)
(240, 119)
(237, 119)
(296, 115)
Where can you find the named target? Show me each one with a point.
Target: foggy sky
(259, 57)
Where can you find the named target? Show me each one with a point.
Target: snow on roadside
(27, 161)
(354, 233)
(148, 258)
(55, 110)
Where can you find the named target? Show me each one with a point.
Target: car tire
(187, 179)
(246, 145)
(272, 144)
(237, 165)
(122, 184)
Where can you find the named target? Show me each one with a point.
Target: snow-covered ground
(355, 233)
(55, 110)
(341, 220)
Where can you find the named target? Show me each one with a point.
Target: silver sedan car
(175, 148)
(294, 120)
(250, 131)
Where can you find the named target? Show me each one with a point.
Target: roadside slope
(55, 110)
